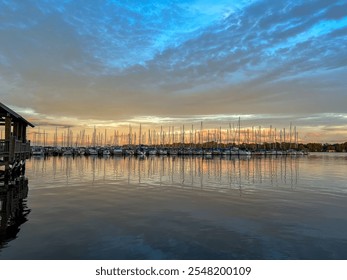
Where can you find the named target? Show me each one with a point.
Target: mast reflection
(206, 173)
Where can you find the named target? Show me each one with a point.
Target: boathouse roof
(4, 110)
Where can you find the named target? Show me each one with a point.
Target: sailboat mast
(239, 131)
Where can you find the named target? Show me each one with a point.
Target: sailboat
(38, 151)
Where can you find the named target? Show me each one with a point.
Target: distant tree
(315, 147)
(345, 147)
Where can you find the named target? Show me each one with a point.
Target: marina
(154, 151)
(226, 142)
(213, 198)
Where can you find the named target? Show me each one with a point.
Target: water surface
(180, 208)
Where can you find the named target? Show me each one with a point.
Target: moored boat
(38, 151)
(106, 152)
(117, 151)
(92, 152)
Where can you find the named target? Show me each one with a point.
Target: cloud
(122, 61)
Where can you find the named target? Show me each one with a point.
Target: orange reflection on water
(210, 173)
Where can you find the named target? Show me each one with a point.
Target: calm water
(178, 208)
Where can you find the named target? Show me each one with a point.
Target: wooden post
(16, 129)
(20, 132)
(24, 133)
(7, 127)
(7, 144)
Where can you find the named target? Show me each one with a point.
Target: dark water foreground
(179, 208)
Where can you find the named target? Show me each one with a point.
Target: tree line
(319, 147)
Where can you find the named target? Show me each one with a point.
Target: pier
(14, 147)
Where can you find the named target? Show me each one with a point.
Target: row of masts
(172, 135)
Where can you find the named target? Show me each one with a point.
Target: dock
(14, 148)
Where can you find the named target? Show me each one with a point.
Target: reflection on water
(184, 208)
(13, 209)
(198, 172)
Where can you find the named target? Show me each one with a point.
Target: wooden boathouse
(14, 147)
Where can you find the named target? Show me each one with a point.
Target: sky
(112, 64)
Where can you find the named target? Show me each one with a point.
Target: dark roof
(4, 110)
